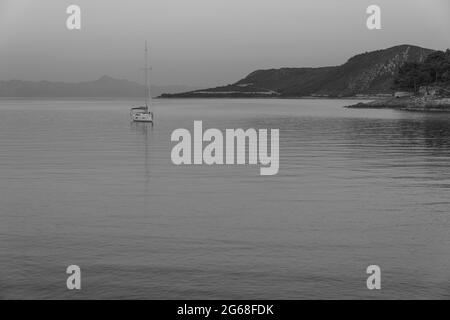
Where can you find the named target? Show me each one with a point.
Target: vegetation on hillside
(370, 73)
(433, 71)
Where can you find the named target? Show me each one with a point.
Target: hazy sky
(203, 42)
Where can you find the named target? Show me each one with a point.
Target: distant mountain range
(103, 87)
(364, 74)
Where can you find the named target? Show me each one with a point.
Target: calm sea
(80, 184)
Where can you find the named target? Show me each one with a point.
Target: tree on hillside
(411, 76)
(435, 69)
(445, 68)
(437, 64)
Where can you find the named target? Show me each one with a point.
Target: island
(403, 77)
(423, 86)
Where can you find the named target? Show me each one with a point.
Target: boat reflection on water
(144, 130)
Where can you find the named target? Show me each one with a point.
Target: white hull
(142, 117)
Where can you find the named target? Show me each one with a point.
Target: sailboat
(142, 114)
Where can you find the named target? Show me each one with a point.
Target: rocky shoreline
(420, 104)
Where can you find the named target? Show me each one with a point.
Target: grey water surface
(80, 184)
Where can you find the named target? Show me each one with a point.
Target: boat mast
(146, 77)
